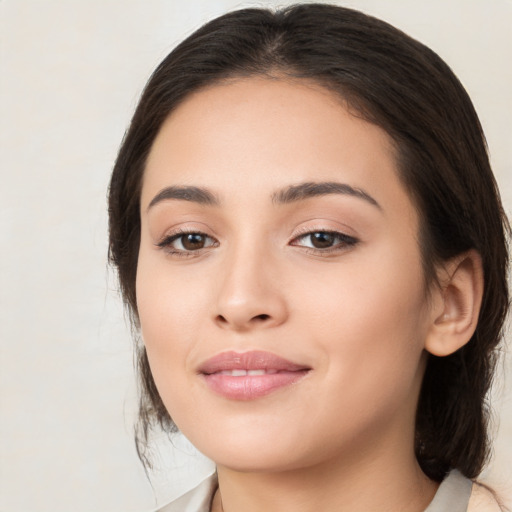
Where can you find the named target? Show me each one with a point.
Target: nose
(251, 295)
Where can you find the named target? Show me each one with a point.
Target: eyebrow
(287, 195)
(186, 193)
(311, 189)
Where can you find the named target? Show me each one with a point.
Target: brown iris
(322, 240)
(193, 241)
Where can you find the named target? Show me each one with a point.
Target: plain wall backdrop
(71, 75)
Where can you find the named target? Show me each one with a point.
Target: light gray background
(71, 75)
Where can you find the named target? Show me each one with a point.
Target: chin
(256, 450)
(259, 461)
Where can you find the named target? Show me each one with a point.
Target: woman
(310, 239)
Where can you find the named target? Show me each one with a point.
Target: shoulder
(482, 499)
(460, 494)
(197, 499)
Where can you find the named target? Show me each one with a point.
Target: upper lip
(253, 360)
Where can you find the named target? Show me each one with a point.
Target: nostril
(221, 319)
(261, 317)
(242, 321)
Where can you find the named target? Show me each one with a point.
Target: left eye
(187, 242)
(324, 240)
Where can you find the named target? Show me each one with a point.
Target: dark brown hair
(400, 85)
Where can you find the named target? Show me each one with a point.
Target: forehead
(262, 134)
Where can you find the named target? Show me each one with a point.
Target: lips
(250, 375)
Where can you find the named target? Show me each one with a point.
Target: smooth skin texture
(351, 305)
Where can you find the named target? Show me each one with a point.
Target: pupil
(193, 241)
(322, 240)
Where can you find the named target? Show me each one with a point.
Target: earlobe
(458, 304)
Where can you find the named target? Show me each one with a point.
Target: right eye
(325, 241)
(187, 242)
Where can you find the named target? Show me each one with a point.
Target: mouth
(250, 375)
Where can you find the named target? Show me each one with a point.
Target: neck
(381, 480)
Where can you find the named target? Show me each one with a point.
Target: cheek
(370, 317)
(168, 312)
(370, 333)
(169, 308)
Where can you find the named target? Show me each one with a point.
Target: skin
(356, 313)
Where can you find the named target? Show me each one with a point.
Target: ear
(456, 304)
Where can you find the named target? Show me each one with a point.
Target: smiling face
(279, 285)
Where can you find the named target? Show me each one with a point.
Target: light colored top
(455, 494)
(196, 500)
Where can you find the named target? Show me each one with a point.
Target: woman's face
(279, 285)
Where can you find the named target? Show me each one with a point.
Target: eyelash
(166, 243)
(344, 242)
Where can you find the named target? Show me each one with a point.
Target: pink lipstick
(249, 375)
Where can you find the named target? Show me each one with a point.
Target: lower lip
(250, 387)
